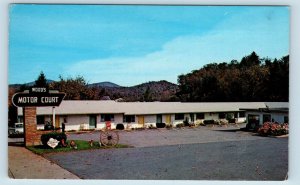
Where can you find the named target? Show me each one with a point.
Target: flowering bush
(273, 129)
(199, 122)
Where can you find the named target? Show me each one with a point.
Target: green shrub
(179, 125)
(120, 126)
(55, 135)
(169, 126)
(160, 125)
(207, 122)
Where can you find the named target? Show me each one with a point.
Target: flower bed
(273, 129)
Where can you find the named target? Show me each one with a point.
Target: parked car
(18, 128)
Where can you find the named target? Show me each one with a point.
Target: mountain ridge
(103, 84)
(97, 84)
(149, 91)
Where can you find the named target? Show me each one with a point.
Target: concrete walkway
(23, 164)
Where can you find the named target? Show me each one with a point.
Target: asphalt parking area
(174, 136)
(186, 154)
(232, 160)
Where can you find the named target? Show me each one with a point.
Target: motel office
(90, 114)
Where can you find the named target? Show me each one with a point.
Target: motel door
(141, 121)
(168, 119)
(192, 116)
(158, 118)
(93, 121)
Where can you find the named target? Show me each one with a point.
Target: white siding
(118, 118)
(211, 116)
(173, 119)
(150, 119)
(176, 122)
(240, 120)
(278, 117)
(75, 121)
(48, 118)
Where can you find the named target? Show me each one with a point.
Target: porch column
(53, 116)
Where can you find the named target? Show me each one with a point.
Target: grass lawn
(81, 145)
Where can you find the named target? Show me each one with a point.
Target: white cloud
(183, 54)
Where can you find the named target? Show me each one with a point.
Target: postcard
(148, 92)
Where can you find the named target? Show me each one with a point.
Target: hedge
(160, 125)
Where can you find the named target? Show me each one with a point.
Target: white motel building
(94, 114)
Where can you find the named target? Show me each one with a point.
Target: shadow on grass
(81, 145)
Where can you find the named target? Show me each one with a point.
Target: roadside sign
(38, 97)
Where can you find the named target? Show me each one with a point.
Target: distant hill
(157, 91)
(103, 84)
(149, 91)
(27, 84)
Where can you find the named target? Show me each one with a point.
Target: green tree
(75, 89)
(251, 79)
(147, 95)
(250, 60)
(41, 81)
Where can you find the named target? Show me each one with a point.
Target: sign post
(29, 100)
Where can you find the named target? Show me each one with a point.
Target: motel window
(200, 116)
(266, 118)
(222, 115)
(65, 119)
(107, 117)
(242, 114)
(236, 115)
(286, 119)
(128, 118)
(179, 116)
(40, 120)
(253, 119)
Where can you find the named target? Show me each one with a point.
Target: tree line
(78, 89)
(251, 79)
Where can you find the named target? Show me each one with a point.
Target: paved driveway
(163, 137)
(186, 154)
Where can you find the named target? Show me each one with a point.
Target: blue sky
(133, 44)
